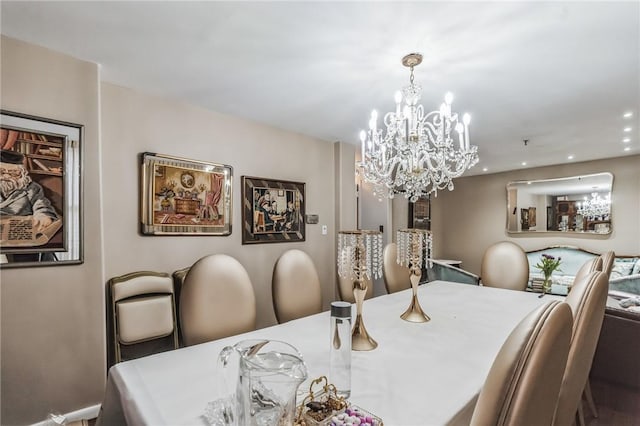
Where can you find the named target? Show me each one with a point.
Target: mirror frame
(527, 214)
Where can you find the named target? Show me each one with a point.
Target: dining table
(427, 373)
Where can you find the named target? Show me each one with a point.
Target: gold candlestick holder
(359, 258)
(414, 247)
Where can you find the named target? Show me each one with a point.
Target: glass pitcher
(265, 382)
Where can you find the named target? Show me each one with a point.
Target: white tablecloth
(420, 374)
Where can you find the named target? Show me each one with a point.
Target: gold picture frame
(185, 197)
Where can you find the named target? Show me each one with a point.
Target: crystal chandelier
(417, 154)
(596, 206)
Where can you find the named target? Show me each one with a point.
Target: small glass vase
(546, 285)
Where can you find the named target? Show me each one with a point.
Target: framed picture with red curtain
(185, 197)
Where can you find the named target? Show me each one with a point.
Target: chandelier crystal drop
(595, 207)
(416, 154)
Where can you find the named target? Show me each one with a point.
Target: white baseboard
(90, 412)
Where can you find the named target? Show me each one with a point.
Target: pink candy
(353, 416)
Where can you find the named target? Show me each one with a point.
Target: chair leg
(580, 415)
(589, 397)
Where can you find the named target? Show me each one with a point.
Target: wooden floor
(616, 405)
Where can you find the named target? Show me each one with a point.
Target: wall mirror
(580, 204)
(40, 191)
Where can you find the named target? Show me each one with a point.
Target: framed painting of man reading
(185, 197)
(39, 191)
(273, 211)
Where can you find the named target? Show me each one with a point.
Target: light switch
(324, 229)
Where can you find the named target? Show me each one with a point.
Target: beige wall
(473, 216)
(53, 351)
(133, 123)
(53, 326)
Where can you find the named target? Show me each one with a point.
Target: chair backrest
(505, 265)
(608, 258)
(217, 300)
(178, 281)
(345, 289)
(143, 309)
(587, 300)
(396, 276)
(591, 265)
(523, 383)
(295, 286)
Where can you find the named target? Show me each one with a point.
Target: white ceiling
(560, 74)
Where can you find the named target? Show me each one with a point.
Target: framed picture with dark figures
(40, 191)
(185, 197)
(273, 211)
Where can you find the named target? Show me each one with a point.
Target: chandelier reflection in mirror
(417, 154)
(596, 207)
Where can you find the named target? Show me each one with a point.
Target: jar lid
(341, 309)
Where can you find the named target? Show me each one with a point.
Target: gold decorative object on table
(320, 405)
(414, 248)
(359, 259)
(324, 408)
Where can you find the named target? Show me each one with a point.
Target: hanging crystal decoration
(596, 207)
(416, 155)
(360, 259)
(414, 250)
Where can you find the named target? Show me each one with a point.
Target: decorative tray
(326, 408)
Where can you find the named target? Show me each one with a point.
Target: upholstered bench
(624, 279)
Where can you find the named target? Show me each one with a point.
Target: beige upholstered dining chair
(523, 382)
(217, 300)
(596, 264)
(345, 289)
(505, 265)
(591, 265)
(295, 286)
(178, 281)
(143, 310)
(587, 300)
(396, 276)
(608, 258)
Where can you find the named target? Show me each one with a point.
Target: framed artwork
(524, 219)
(532, 217)
(420, 213)
(40, 191)
(272, 211)
(185, 197)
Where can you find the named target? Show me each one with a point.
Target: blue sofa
(624, 279)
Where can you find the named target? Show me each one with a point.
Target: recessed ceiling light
(628, 148)
(627, 129)
(485, 169)
(628, 114)
(626, 140)
(529, 183)
(570, 157)
(524, 163)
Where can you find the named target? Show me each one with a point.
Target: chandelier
(597, 206)
(416, 154)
